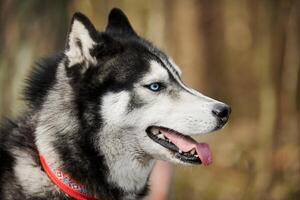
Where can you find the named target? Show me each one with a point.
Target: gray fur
(90, 115)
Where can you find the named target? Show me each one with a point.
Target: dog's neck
(128, 166)
(121, 174)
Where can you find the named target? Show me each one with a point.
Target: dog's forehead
(156, 72)
(161, 65)
(165, 61)
(164, 68)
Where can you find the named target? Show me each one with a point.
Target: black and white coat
(89, 109)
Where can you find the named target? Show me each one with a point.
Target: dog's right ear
(82, 37)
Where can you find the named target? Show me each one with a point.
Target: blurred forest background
(243, 52)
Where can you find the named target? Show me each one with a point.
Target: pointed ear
(81, 39)
(118, 23)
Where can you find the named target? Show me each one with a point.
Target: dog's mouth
(182, 146)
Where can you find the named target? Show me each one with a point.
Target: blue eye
(155, 87)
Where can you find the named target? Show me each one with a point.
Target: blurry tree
(29, 30)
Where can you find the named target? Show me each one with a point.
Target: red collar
(65, 182)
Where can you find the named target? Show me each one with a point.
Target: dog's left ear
(118, 23)
(81, 39)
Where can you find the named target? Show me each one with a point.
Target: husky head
(142, 102)
(126, 97)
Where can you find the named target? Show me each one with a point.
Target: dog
(98, 116)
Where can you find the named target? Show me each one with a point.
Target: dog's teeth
(161, 136)
(196, 155)
(180, 151)
(155, 131)
(193, 151)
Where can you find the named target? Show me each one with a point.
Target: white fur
(55, 118)
(191, 110)
(30, 176)
(128, 173)
(157, 74)
(118, 145)
(178, 108)
(80, 33)
(114, 105)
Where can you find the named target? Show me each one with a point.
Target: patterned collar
(65, 182)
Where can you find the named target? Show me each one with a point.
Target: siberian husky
(99, 114)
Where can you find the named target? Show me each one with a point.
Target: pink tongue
(186, 144)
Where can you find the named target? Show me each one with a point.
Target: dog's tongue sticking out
(186, 144)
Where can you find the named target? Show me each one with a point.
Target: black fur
(42, 78)
(119, 24)
(122, 59)
(17, 135)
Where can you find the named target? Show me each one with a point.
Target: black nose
(222, 111)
